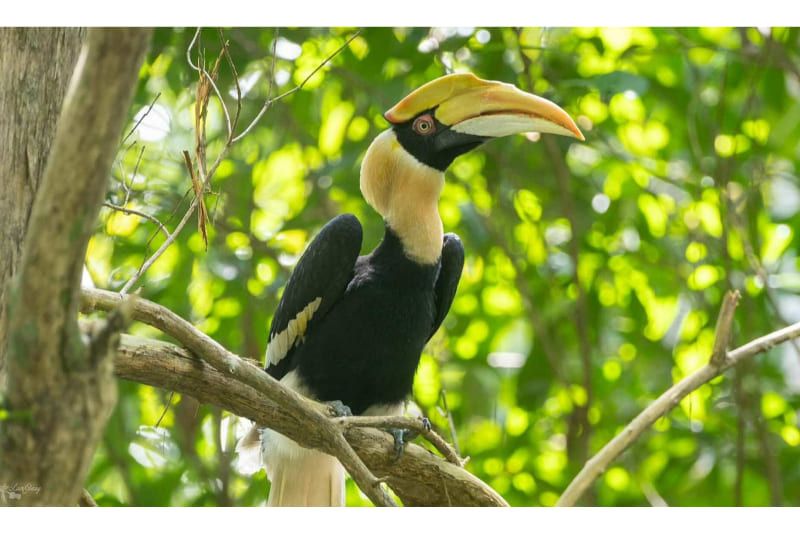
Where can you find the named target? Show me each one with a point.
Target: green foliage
(686, 185)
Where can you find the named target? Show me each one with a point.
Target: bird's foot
(426, 423)
(402, 436)
(339, 409)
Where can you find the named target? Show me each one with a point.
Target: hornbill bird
(351, 328)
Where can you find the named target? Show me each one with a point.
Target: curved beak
(484, 108)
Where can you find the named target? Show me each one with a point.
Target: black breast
(365, 351)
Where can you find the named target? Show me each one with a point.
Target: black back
(323, 271)
(364, 348)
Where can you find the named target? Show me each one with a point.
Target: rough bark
(35, 68)
(61, 389)
(418, 478)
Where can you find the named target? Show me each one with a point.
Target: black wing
(318, 281)
(447, 281)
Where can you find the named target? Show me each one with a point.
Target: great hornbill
(351, 328)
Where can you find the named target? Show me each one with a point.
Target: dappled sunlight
(619, 249)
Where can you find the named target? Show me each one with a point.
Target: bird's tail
(300, 477)
(315, 480)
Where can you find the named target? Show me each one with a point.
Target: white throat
(406, 193)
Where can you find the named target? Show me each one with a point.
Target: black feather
(323, 271)
(447, 282)
(363, 345)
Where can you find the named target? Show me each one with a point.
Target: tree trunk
(35, 68)
(60, 388)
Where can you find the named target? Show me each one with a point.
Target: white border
(400, 13)
(218, 520)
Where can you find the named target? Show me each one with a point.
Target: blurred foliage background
(594, 270)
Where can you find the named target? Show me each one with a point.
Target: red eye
(424, 125)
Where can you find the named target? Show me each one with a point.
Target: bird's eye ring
(424, 125)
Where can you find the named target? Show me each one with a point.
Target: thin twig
(402, 422)
(450, 424)
(128, 188)
(202, 215)
(166, 244)
(227, 53)
(206, 174)
(224, 106)
(86, 499)
(653, 497)
(722, 334)
(189, 49)
(166, 409)
(129, 211)
(141, 119)
(665, 403)
(268, 103)
(123, 173)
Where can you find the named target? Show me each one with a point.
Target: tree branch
(141, 214)
(418, 477)
(402, 422)
(54, 379)
(665, 403)
(221, 378)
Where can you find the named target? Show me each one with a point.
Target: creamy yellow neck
(406, 193)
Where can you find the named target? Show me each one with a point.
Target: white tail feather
(248, 452)
(300, 477)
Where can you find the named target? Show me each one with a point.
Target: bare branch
(104, 335)
(665, 403)
(205, 175)
(141, 119)
(224, 379)
(402, 422)
(269, 101)
(722, 335)
(227, 53)
(202, 215)
(142, 214)
(418, 477)
(224, 361)
(450, 423)
(86, 499)
(133, 177)
(166, 244)
(190, 48)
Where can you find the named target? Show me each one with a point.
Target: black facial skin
(438, 148)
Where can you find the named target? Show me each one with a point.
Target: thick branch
(220, 378)
(55, 382)
(664, 404)
(221, 359)
(419, 477)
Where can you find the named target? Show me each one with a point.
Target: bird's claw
(400, 438)
(426, 423)
(339, 409)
